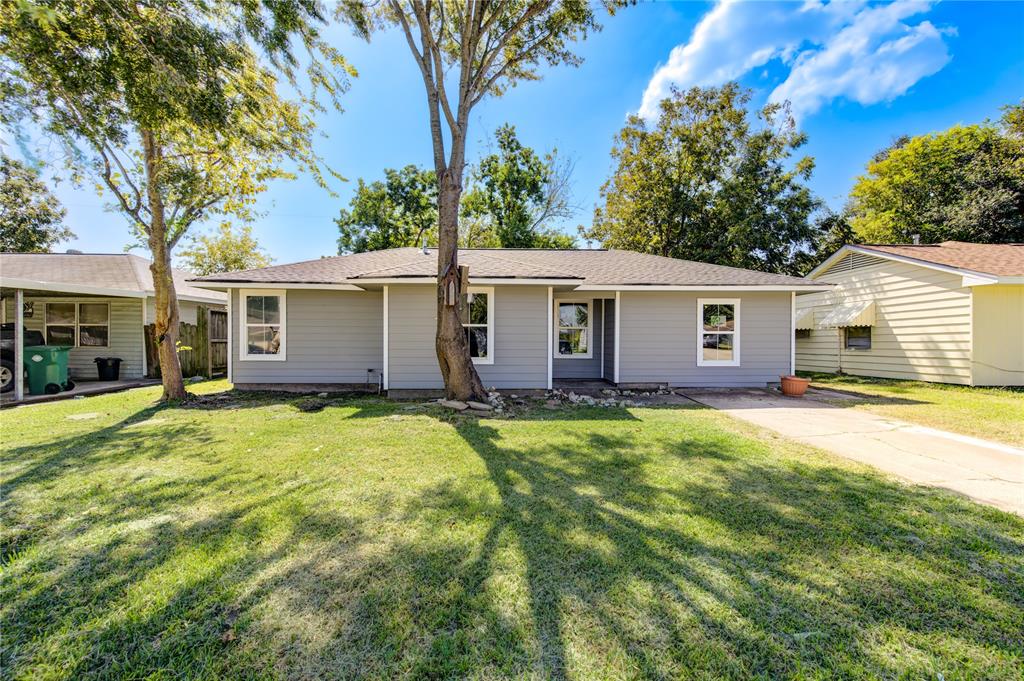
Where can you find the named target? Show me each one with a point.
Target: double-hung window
(84, 325)
(479, 324)
(263, 323)
(858, 338)
(574, 328)
(718, 332)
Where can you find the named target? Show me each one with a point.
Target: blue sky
(858, 75)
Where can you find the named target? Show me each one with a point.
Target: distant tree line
(514, 200)
(712, 180)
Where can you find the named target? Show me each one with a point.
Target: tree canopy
(399, 211)
(832, 231)
(513, 197)
(515, 194)
(703, 182)
(31, 218)
(962, 184)
(169, 108)
(226, 250)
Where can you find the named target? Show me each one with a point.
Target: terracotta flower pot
(794, 386)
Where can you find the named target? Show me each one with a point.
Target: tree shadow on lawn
(776, 568)
(591, 550)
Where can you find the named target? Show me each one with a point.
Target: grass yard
(284, 537)
(992, 413)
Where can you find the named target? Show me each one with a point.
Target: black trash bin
(108, 368)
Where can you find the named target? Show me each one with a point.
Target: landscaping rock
(479, 406)
(458, 405)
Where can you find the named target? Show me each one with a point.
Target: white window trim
(243, 337)
(590, 328)
(489, 291)
(735, 361)
(78, 320)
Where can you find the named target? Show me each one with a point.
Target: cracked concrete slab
(988, 472)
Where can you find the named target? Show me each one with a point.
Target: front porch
(81, 389)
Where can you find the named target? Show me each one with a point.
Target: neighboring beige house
(951, 312)
(96, 303)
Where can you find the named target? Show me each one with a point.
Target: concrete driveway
(988, 472)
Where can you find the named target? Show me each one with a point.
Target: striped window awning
(850, 314)
(804, 319)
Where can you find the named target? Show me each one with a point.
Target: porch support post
(384, 373)
(19, 345)
(792, 334)
(551, 334)
(231, 350)
(602, 337)
(618, 334)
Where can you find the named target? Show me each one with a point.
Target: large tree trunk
(165, 326)
(461, 380)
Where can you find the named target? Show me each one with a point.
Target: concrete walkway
(988, 472)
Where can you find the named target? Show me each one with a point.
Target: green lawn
(267, 537)
(990, 413)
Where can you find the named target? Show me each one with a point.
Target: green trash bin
(47, 367)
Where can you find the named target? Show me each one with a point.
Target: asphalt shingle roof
(116, 271)
(591, 267)
(1002, 260)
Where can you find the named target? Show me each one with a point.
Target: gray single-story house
(99, 304)
(536, 317)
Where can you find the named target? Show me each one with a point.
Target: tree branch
(428, 82)
(434, 49)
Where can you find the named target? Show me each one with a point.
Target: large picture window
(479, 324)
(718, 332)
(84, 325)
(574, 328)
(263, 325)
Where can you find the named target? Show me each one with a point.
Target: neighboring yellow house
(950, 312)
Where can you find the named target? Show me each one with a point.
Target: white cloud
(864, 53)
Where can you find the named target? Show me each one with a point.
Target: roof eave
(807, 288)
(61, 287)
(970, 277)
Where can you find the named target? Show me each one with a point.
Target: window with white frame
(574, 320)
(84, 325)
(263, 324)
(718, 332)
(479, 324)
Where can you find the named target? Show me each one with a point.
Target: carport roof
(112, 274)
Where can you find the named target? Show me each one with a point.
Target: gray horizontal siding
(125, 334)
(659, 339)
(520, 338)
(589, 367)
(331, 337)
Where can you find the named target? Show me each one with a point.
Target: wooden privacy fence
(207, 343)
